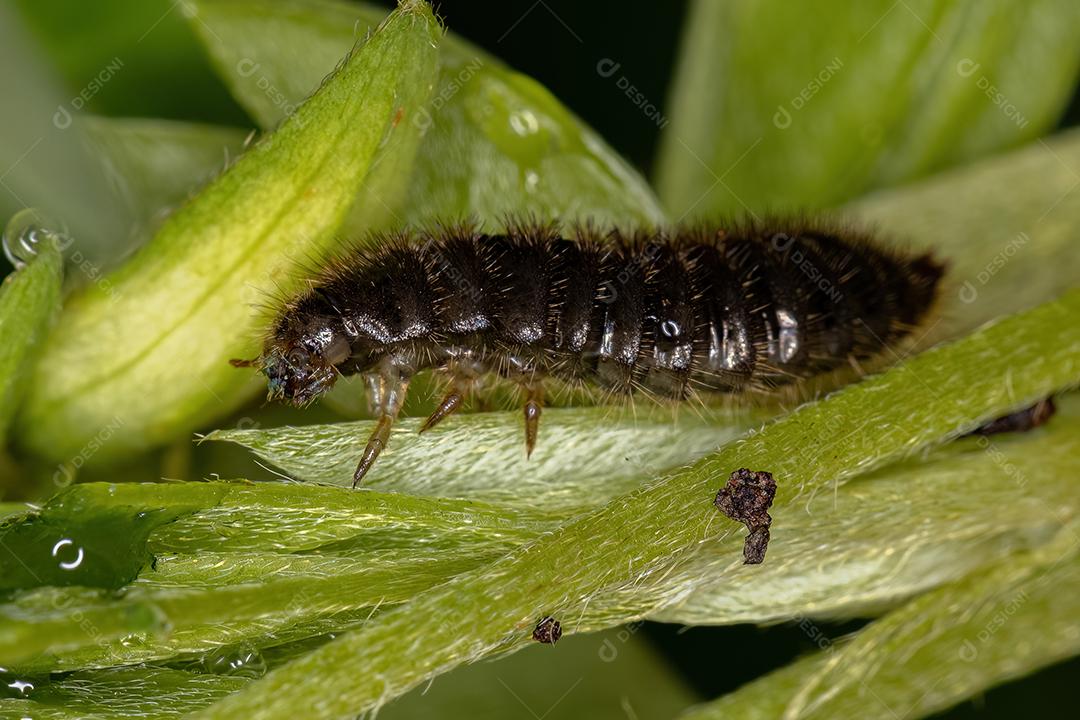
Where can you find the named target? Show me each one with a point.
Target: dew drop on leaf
(26, 230)
(238, 662)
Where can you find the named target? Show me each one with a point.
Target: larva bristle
(673, 314)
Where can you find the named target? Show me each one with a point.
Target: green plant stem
(29, 299)
(938, 649)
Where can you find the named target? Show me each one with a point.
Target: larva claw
(375, 444)
(388, 391)
(449, 404)
(532, 425)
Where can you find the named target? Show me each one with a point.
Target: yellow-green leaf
(147, 348)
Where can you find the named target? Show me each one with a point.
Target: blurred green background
(165, 74)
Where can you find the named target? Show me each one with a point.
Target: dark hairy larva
(547, 631)
(746, 498)
(676, 314)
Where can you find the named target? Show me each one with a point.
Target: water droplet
(532, 180)
(26, 230)
(22, 688)
(524, 122)
(238, 662)
(134, 640)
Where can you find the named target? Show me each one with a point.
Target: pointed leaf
(148, 347)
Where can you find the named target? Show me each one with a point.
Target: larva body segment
(697, 310)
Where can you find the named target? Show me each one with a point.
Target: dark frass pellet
(755, 545)
(746, 498)
(1020, 421)
(676, 314)
(547, 631)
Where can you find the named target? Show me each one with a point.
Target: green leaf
(605, 675)
(29, 300)
(472, 456)
(783, 106)
(496, 142)
(568, 573)
(148, 346)
(129, 692)
(226, 563)
(288, 517)
(975, 508)
(940, 648)
(41, 549)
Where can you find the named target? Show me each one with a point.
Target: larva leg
(464, 372)
(533, 405)
(386, 390)
(451, 402)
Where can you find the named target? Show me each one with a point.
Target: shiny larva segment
(738, 310)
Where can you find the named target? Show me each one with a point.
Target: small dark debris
(757, 541)
(1021, 420)
(747, 498)
(547, 631)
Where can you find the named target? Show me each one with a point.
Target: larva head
(300, 359)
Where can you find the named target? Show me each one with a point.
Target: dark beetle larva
(670, 314)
